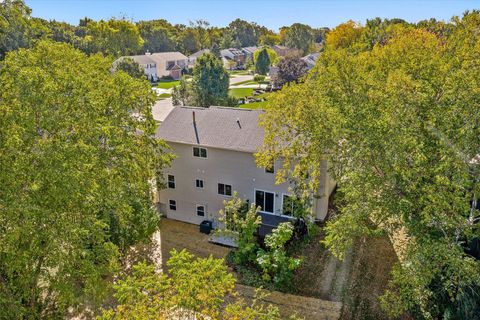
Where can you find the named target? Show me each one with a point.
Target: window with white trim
(224, 189)
(200, 210)
(172, 204)
(199, 183)
(265, 200)
(199, 152)
(171, 181)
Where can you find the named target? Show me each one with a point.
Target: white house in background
(170, 64)
(215, 157)
(311, 59)
(146, 62)
(193, 58)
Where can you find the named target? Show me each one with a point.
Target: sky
(270, 13)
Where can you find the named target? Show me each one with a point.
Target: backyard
(167, 84)
(321, 281)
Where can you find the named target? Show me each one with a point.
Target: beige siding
(237, 169)
(234, 168)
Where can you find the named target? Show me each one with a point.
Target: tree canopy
(290, 69)
(399, 125)
(262, 62)
(210, 81)
(299, 36)
(77, 152)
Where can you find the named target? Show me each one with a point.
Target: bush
(276, 265)
(259, 78)
(240, 219)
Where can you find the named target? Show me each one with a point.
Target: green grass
(254, 105)
(240, 92)
(167, 84)
(165, 96)
(239, 72)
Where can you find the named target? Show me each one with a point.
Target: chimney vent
(193, 117)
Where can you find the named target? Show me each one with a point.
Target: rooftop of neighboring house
(168, 56)
(233, 51)
(140, 59)
(218, 127)
(199, 53)
(250, 50)
(311, 58)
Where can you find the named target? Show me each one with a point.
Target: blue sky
(270, 13)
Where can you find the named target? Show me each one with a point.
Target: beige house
(215, 157)
(146, 62)
(170, 64)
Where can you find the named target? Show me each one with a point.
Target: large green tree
(262, 62)
(399, 125)
(17, 28)
(299, 36)
(117, 37)
(210, 81)
(78, 156)
(195, 288)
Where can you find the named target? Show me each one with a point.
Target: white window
(171, 181)
(265, 200)
(200, 210)
(224, 189)
(199, 152)
(199, 183)
(172, 204)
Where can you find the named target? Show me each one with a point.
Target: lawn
(165, 96)
(240, 92)
(254, 105)
(167, 84)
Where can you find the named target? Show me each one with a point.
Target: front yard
(167, 84)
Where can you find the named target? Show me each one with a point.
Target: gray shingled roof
(215, 127)
(140, 59)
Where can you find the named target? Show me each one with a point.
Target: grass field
(165, 96)
(240, 92)
(167, 84)
(254, 105)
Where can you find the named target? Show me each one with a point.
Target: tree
(299, 36)
(182, 95)
(115, 37)
(290, 69)
(210, 81)
(215, 50)
(262, 62)
(76, 177)
(17, 28)
(272, 55)
(131, 67)
(344, 35)
(195, 288)
(401, 144)
(157, 35)
(245, 33)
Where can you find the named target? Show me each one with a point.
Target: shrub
(276, 265)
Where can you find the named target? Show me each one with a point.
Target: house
(193, 58)
(233, 58)
(249, 51)
(215, 157)
(283, 51)
(146, 62)
(310, 59)
(170, 64)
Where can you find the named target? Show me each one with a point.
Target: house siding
(235, 168)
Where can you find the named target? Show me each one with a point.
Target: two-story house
(146, 62)
(170, 64)
(214, 150)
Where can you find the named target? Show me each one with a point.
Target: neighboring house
(233, 58)
(193, 58)
(249, 51)
(146, 62)
(170, 64)
(311, 59)
(283, 51)
(215, 157)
